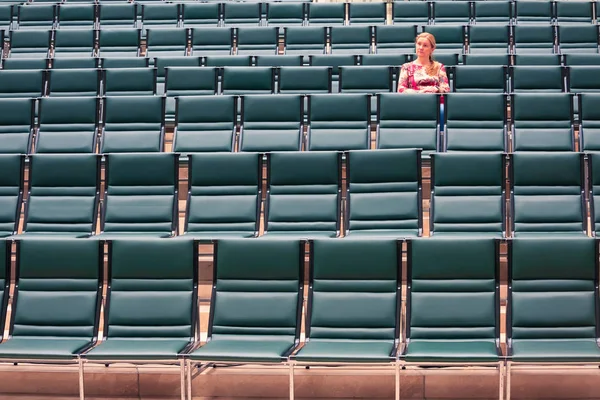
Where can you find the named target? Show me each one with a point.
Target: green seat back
(542, 121)
(129, 81)
(27, 63)
(153, 286)
(5, 277)
(350, 39)
(75, 62)
(285, 14)
(67, 125)
(69, 42)
(304, 80)
(584, 78)
(200, 14)
(160, 14)
(390, 59)
(166, 42)
(410, 12)
(365, 79)
(141, 193)
(448, 59)
(305, 39)
(466, 199)
(475, 121)
(11, 189)
(161, 63)
(538, 59)
(36, 16)
(186, 81)
(248, 80)
(547, 192)
(480, 79)
(63, 193)
(486, 58)
(75, 15)
(456, 13)
(549, 78)
(204, 123)
(6, 15)
(16, 124)
(339, 122)
(133, 123)
(578, 38)
(534, 38)
(224, 194)
(123, 15)
(74, 82)
(326, 14)
(335, 61)
(582, 59)
(278, 60)
(21, 83)
(530, 11)
(228, 61)
(384, 191)
(574, 12)
(271, 123)
(242, 13)
(257, 40)
(367, 13)
(212, 40)
(489, 38)
(589, 117)
(114, 42)
(395, 38)
(30, 43)
(594, 181)
(493, 11)
(126, 62)
(304, 192)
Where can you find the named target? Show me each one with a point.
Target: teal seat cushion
(559, 350)
(5, 233)
(49, 235)
(383, 233)
(549, 234)
(357, 351)
(299, 235)
(137, 349)
(42, 347)
(451, 351)
(267, 349)
(468, 234)
(216, 235)
(130, 235)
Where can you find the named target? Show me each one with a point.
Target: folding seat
(278, 61)
(117, 15)
(547, 194)
(11, 192)
(365, 79)
(166, 42)
(125, 62)
(74, 82)
(467, 194)
(574, 12)
(447, 59)
(76, 15)
(252, 279)
(492, 12)
(305, 40)
(395, 38)
(384, 194)
(486, 59)
(408, 121)
(594, 182)
(211, 41)
(223, 196)
(285, 14)
(16, 126)
(159, 14)
(551, 317)
(188, 81)
(353, 314)
(480, 78)
(248, 80)
(449, 12)
(367, 13)
(56, 306)
(67, 125)
(578, 38)
(351, 39)
(584, 78)
(272, 123)
(6, 16)
(74, 43)
(538, 59)
(21, 83)
(389, 59)
(589, 122)
(36, 16)
(133, 124)
(228, 61)
(257, 40)
(200, 14)
(453, 304)
(5, 279)
(489, 39)
(547, 78)
(326, 14)
(30, 43)
(582, 59)
(334, 61)
(339, 122)
(410, 12)
(240, 14)
(129, 81)
(151, 312)
(75, 62)
(25, 63)
(204, 123)
(304, 80)
(533, 38)
(303, 194)
(140, 195)
(534, 11)
(162, 63)
(449, 38)
(119, 43)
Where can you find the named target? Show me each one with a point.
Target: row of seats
(304, 194)
(353, 314)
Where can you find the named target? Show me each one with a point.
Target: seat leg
(189, 379)
(81, 387)
(500, 380)
(182, 387)
(508, 374)
(291, 381)
(397, 375)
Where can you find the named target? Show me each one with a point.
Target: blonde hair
(434, 66)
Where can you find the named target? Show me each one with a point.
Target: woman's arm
(403, 86)
(444, 86)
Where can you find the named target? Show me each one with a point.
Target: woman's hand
(430, 89)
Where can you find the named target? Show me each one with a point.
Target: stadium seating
(326, 14)
(255, 41)
(21, 83)
(117, 15)
(166, 42)
(574, 12)
(414, 13)
(492, 12)
(74, 82)
(240, 14)
(589, 121)
(129, 81)
(76, 16)
(305, 40)
(395, 38)
(578, 38)
(11, 192)
(248, 80)
(16, 125)
(367, 13)
(480, 79)
(534, 38)
(304, 80)
(594, 185)
(36, 16)
(533, 12)
(285, 14)
(350, 39)
(451, 13)
(5, 278)
(279, 60)
(188, 81)
(211, 41)
(200, 14)
(537, 59)
(30, 43)
(119, 43)
(158, 14)
(489, 38)
(548, 79)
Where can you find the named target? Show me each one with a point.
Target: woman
(423, 75)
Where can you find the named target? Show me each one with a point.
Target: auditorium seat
(480, 79)
(211, 41)
(589, 121)
(486, 58)
(75, 62)
(537, 59)
(305, 40)
(489, 38)
(166, 42)
(578, 38)
(326, 14)
(129, 81)
(283, 14)
(21, 83)
(492, 12)
(257, 40)
(6, 16)
(395, 38)
(413, 13)
(195, 14)
(36, 16)
(160, 15)
(304, 80)
(533, 38)
(27, 63)
(594, 185)
(117, 15)
(582, 59)
(126, 62)
(248, 80)
(161, 63)
(188, 81)
(550, 78)
(534, 12)
(365, 79)
(5, 278)
(350, 39)
(242, 14)
(16, 125)
(451, 13)
(228, 61)
(11, 192)
(279, 60)
(334, 61)
(119, 43)
(76, 16)
(74, 82)
(574, 12)
(367, 13)
(30, 43)
(389, 59)
(584, 78)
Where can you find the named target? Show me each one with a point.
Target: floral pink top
(413, 78)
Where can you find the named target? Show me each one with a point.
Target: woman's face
(423, 48)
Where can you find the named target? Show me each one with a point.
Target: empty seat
(140, 196)
(574, 12)
(248, 80)
(326, 14)
(408, 121)
(492, 12)
(223, 196)
(547, 190)
(542, 122)
(578, 38)
(159, 14)
(395, 38)
(5, 278)
(11, 192)
(489, 39)
(486, 59)
(582, 59)
(129, 81)
(480, 78)
(449, 38)
(303, 194)
(204, 123)
(351, 39)
(16, 126)
(334, 61)
(165, 42)
(74, 82)
(537, 78)
(25, 63)
(457, 13)
(594, 182)
(466, 200)
(367, 13)
(339, 122)
(475, 122)
(188, 81)
(21, 83)
(200, 14)
(405, 12)
(74, 15)
(533, 38)
(537, 59)
(285, 13)
(532, 11)
(305, 40)
(30, 43)
(365, 79)
(257, 40)
(133, 123)
(67, 125)
(36, 16)
(74, 42)
(119, 43)
(584, 78)
(448, 59)
(389, 59)
(384, 193)
(75, 62)
(239, 14)
(125, 62)
(64, 191)
(162, 63)
(6, 16)
(279, 60)
(304, 80)
(117, 15)
(211, 40)
(228, 61)
(589, 123)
